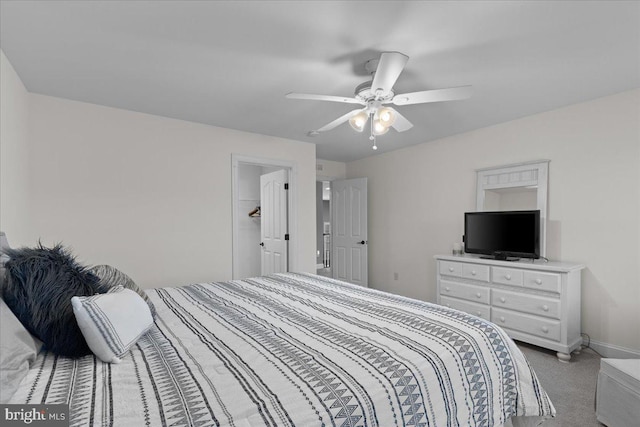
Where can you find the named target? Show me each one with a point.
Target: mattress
(297, 349)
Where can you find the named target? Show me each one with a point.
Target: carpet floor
(571, 386)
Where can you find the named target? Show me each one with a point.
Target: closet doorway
(263, 216)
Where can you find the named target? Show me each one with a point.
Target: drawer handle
(545, 329)
(447, 289)
(478, 294)
(538, 281)
(473, 272)
(502, 319)
(451, 269)
(545, 307)
(508, 277)
(503, 299)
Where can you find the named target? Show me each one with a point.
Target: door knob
(262, 244)
(362, 242)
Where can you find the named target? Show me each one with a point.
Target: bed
(298, 349)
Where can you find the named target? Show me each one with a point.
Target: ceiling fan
(376, 93)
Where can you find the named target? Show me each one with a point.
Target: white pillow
(18, 351)
(112, 322)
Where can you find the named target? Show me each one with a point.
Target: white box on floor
(618, 393)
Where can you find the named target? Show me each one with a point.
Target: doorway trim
(292, 201)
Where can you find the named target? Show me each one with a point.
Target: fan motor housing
(363, 92)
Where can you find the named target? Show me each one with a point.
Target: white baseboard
(613, 351)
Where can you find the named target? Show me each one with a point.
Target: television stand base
(500, 258)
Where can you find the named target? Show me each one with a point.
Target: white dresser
(534, 302)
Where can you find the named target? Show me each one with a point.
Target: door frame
(292, 202)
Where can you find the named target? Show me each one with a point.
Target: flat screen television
(503, 234)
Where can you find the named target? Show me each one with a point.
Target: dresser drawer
(449, 268)
(542, 281)
(534, 325)
(476, 272)
(479, 310)
(534, 304)
(507, 276)
(466, 291)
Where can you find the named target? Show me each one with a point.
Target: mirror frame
(528, 174)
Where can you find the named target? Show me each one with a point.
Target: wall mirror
(521, 186)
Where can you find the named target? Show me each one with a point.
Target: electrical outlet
(395, 276)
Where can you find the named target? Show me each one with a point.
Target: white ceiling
(230, 63)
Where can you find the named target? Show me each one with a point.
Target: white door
(273, 222)
(349, 230)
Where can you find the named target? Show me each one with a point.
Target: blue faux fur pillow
(39, 285)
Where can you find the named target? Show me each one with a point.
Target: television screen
(502, 234)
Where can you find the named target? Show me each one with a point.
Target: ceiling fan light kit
(379, 128)
(386, 116)
(358, 121)
(374, 94)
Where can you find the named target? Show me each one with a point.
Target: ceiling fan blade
(331, 98)
(389, 68)
(400, 123)
(437, 95)
(338, 121)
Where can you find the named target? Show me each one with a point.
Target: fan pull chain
(372, 136)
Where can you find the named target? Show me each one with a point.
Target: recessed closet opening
(263, 216)
(249, 218)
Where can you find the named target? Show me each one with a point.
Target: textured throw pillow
(18, 350)
(111, 277)
(112, 322)
(40, 284)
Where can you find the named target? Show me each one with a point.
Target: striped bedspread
(303, 350)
